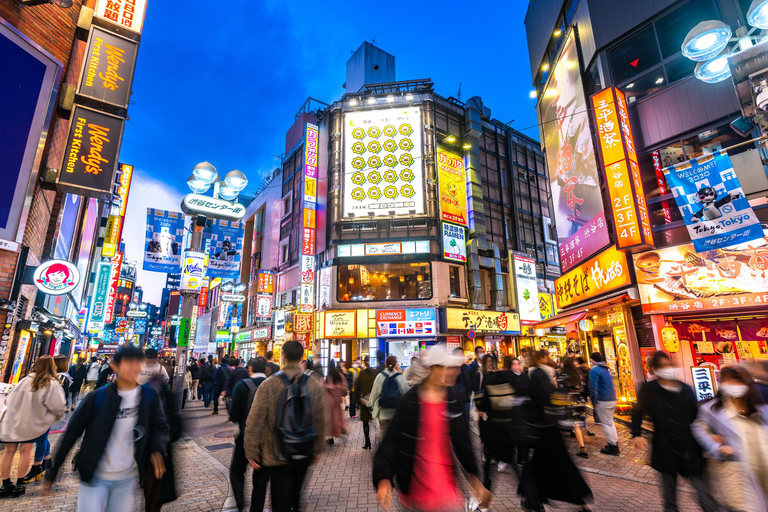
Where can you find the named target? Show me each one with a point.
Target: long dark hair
(753, 398)
(486, 358)
(572, 375)
(333, 373)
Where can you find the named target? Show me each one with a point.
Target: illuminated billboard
(452, 178)
(606, 272)
(383, 172)
(577, 200)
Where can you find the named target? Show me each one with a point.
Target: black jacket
(239, 409)
(463, 385)
(206, 373)
(78, 373)
(221, 378)
(97, 423)
(395, 457)
(235, 376)
(674, 449)
(194, 369)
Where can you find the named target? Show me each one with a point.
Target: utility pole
(188, 313)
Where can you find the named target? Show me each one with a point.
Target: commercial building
(608, 72)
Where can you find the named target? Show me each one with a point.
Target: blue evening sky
(221, 81)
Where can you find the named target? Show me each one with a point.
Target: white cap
(438, 356)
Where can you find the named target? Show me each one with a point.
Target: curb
(229, 502)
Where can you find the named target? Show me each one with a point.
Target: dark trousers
(207, 393)
(215, 394)
(237, 472)
(367, 432)
(352, 405)
(286, 485)
(706, 501)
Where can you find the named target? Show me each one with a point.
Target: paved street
(341, 480)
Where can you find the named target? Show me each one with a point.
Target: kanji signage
(403, 323)
(107, 73)
(603, 273)
(546, 307)
(453, 187)
(266, 282)
(184, 328)
(454, 243)
(307, 288)
(527, 288)
(704, 383)
(116, 218)
(90, 157)
(491, 322)
(128, 14)
(303, 323)
(198, 204)
(622, 172)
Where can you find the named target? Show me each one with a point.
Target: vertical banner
(97, 317)
(225, 246)
(117, 211)
(163, 241)
(712, 203)
(265, 289)
(527, 289)
(192, 271)
(307, 288)
(452, 178)
(117, 263)
(454, 243)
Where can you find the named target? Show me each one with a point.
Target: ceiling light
(197, 186)
(757, 14)
(371, 101)
(715, 70)
(630, 85)
(545, 66)
(706, 40)
(205, 172)
(659, 81)
(236, 180)
(353, 102)
(467, 145)
(532, 94)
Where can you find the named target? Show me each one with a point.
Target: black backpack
(295, 434)
(390, 392)
(252, 389)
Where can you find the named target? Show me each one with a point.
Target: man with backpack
(206, 380)
(285, 430)
(243, 394)
(390, 385)
(220, 380)
(92, 376)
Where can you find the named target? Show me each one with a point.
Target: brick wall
(51, 27)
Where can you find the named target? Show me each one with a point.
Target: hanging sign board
(56, 277)
(127, 14)
(107, 73)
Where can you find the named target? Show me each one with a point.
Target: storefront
(553, 340)
(493, 330)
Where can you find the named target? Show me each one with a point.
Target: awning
(582, 310)
(561, 319)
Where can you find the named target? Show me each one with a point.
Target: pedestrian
(335, 389)
(272, 367)
(152, 367)
(105, 372)
(550, 474)
(124, 432)
(417, 371)
(187, 387)
(78, 372)
(603, 396)
(570, 382)
(194, 370)
(206, 380)
(243, 394)
(353, 374)
(65, 379)
(220, 381)
(521, 383)
(32, 407)
(476, 364)
(429, 428)
(92, 375)
(341, 367)
(237, 374)
(733, 430)
(672, 407)
(467, 377)
(363, 392)
(388, 387)
(159, 491)
(486, 369)
(381, 362)
(290, 394)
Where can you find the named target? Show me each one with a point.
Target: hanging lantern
(586, 325)
(670, 339)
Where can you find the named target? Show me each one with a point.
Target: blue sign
(224, 243)
(163, 241)
(712, 203)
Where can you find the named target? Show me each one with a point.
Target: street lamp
(757, 15)
(706, 40)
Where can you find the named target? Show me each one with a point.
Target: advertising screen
(577, 200)
(383, 170)
(527, 289)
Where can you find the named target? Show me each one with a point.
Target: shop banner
(224, 240)
(678, 280)
(527, 289)
(704, 382)
(383, 168)
(127, 14)
(403, 323)
(491, 322)
(192, 271)
(107, 73)
(606, 272)
(712, 203)
(546, 306)
(453, 187)
(454, 243)
(340, 324)
(114, 278)
(754, 330)
(97, 317)
(567, 137)
(164, 238)
(116, 219)
(279, 325)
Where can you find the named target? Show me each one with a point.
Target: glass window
(644, 85)
(673, 27)
(454, 274)
(385, 281)
(713, 140)
(592, 82)
(679, 68)
(635, 55)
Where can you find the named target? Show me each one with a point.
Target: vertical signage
(117, 212)
(527, 289)
(307, 288)
(117, 263)
(96, 319)
(192, 271)
(622, 173)
(454, 243)
(127, 14)
(662, 183)
(108, 69)
(184, 331)
(453, 187)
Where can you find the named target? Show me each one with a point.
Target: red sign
(308, 242)
(303, 323)
(202, 300)
(123, 323)
(117, 263)
(453, 339)
(390, 315)
(662, 182)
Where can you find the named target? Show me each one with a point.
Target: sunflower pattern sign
(383, 168)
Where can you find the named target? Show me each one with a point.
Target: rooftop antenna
(373, 41)
(459, 96)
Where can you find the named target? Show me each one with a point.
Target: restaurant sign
(128, 14)
(399, 323)
(108, 70)
(603, 273)
(492, 322)
(90, 157)
(340, 324)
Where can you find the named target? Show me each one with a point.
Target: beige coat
(31, 413)
(260, 426)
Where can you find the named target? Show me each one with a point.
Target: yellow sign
(494, 322)
(453, 187)
(669, 339)
(605, 272)
(546, 306)
(340, 324)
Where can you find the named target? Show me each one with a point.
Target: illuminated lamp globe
(757, 15)
(228, 193)
(713, 71)
(239, 287)
(236, 180)
(227, 287)
(706, 40)
(196, 185)
(206, 172)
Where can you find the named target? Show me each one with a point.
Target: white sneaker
(472, 504)
(502, 467)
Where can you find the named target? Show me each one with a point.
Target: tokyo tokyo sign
(578, 201)
(622, 172)
(307, 288)
(605, 272)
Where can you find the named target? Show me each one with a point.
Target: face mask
(734, 390)
(667, 373)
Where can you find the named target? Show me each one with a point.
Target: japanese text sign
(493, 322)
(266, 282)
(127, 14)
(340, 324)
(163, 241)
(303, 323)
(703, 382)
(454, 243)
(603, 273)
(527, 288)
(453, 187)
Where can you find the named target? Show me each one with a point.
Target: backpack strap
(284, 378)
(99, 399)
(249, 382)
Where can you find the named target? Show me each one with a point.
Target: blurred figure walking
(604, 402)
(77, 371)
(390, 385)
(335, 389)
(364, 388)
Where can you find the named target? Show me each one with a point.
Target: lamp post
(222, 205)
(232, 293)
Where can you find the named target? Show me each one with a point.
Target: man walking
(352, 375)
(206, 380)
(272, 368)
(289, 393)
(603, 401)
(152, 367)
(194, 370)
(92, 376)
(112, 453)
(220, 380)
(243, 394)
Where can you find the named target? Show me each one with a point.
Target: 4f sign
(56, 277)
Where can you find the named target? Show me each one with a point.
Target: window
(485, 287)
(287, 204)
(714, 140)
(454, 275)
(285, 251)
(637, 54)
(673, 27)
(385, 281)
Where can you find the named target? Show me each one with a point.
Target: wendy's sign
(108, 69)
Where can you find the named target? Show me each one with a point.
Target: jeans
(237, 470)
(106, 495)
(286, 485)
(207, 393)
(604, 411)
(42, 447)
(706, 501)
(352, 405)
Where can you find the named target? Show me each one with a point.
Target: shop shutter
(643, 328)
